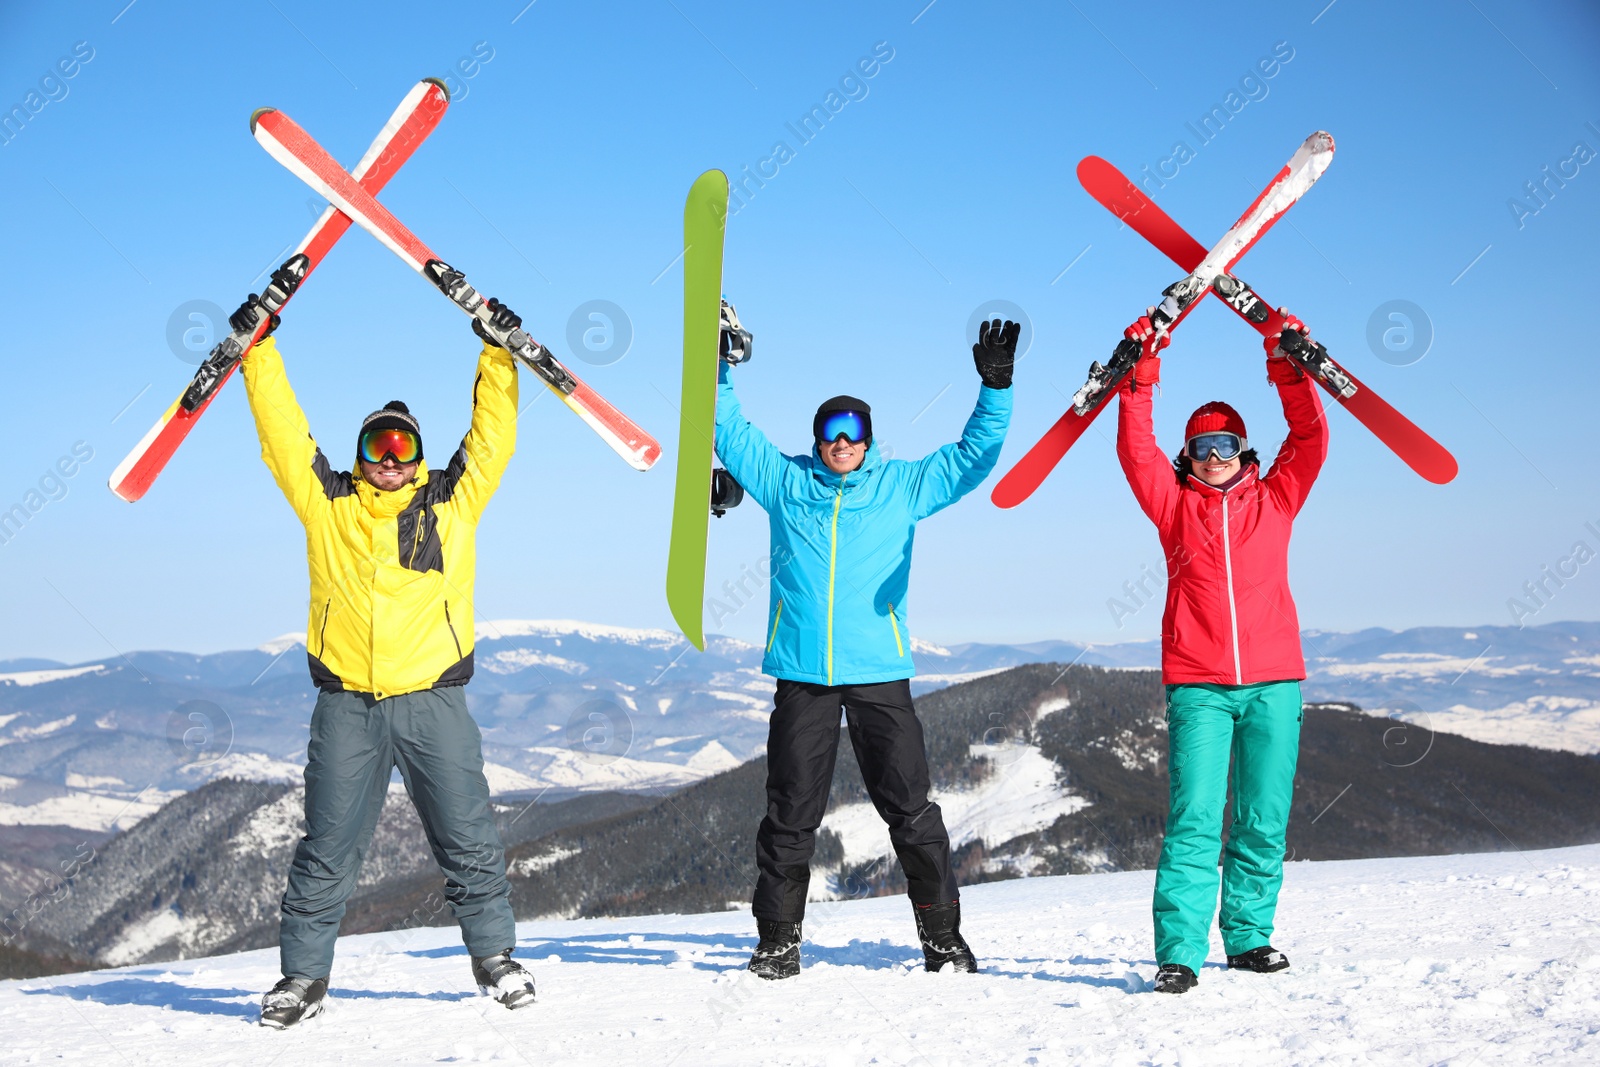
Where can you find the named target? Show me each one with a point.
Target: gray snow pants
(355, 741)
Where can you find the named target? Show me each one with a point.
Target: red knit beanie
(1215, 417)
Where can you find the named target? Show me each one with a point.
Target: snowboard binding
(725, 492)
(735, 342)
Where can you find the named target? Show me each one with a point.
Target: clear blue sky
(558, 177)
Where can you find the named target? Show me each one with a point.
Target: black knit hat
(392, 416)
(840, 403)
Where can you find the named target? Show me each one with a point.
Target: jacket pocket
(773, 637)
(452, 627)
(899, 647)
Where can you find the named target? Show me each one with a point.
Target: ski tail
(1126, 201)
(288, 143)
(1032, 469)
(411, 123)
(1129, 203)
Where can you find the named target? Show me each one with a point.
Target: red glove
(1147, 371)
(1290, 322)
(1144, 331)
(1281, 370)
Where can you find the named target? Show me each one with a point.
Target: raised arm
(945, 476)
(474, 472)
(304, 474)
(1300, 459)
(1149, 472)
(755, 462)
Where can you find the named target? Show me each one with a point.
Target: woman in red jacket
(1230, 656)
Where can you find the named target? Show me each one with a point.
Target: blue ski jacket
(841, 544)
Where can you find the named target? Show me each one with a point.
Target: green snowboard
(705, 216)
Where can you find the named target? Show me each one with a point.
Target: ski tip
(122, 492)
(443, 88)
(255, 116)
(1321, 141)
(1443, 470)
(1004, 497)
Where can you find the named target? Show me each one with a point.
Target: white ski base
(1485, 959)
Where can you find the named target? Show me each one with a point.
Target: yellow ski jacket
(391, 572)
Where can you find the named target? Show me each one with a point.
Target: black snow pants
(802, 742)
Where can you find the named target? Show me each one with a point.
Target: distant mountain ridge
(1040, 769)
(568, 705)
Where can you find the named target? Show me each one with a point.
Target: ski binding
(535, 356)
(1317, 363)
(231, 349)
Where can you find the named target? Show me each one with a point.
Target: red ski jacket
(1229, 618)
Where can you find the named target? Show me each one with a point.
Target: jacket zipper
(771, 640)
(322, 634)
(899, 649)
(833, 559)
(452, 626)
(1233, 610)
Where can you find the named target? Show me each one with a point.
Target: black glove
(996, 352)
(502, 317)
(244, 320)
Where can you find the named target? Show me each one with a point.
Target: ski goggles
(853, 426)
(1225, 445)
(403, 445)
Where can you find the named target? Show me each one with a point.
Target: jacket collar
(381, 504)
(1246, 476)
(824, 474)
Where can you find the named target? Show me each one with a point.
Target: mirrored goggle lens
(1225, 445)
(404, 445)
(851, 424)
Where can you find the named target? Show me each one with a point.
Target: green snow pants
(1258, 726)
(356, 741)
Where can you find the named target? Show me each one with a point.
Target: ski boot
(1263, 960)
(1175, 978)
(503, 978)
(939, 927)
(777, 954)
(292, 1000)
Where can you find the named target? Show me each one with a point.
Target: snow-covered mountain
(1040, 771)
(1483, 959)
(570, 705)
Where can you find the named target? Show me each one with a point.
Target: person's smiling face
(842, 456)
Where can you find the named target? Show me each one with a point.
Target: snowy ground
(1450, 960)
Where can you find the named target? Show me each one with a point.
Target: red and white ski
(416, 117)
(1129, 203)
(290, 145)
(1297, 176)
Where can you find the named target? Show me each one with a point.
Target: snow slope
(1485, 959)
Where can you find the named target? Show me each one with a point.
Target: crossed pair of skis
(1210, 271)
(351, 198)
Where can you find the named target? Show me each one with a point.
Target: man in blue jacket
(843, 518)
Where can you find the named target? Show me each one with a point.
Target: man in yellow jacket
(391, 553)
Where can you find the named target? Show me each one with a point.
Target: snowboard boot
(503, 978)
(1263, 960)
(291, 1000)
(1175, 978)
(939, 927)
(777, 954)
